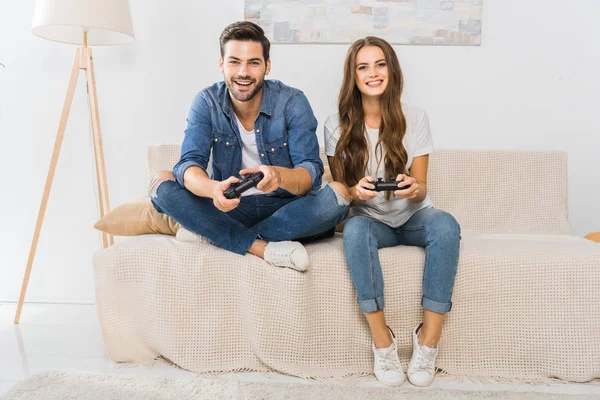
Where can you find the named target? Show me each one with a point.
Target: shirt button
(285, 144)
(227, 143)
(216, 140)
(258, 130)
(272, 149)
(262, 154)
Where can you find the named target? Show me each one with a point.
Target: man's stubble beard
(244, 96)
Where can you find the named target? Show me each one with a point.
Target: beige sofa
(526, 298)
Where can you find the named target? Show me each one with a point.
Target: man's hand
(221, 202)
(271, 180)
(411, 192)
(363, 190)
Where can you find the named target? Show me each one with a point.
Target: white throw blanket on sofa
(526, 303)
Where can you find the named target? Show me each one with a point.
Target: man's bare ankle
(258, 248)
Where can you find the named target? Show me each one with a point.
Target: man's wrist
(291, 179)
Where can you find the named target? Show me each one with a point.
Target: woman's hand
(410, 192)
(363, 190)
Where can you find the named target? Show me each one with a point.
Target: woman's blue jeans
(435, 230)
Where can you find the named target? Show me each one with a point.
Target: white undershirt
(417, 142)
(250, 156)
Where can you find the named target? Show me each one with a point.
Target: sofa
(526, 302)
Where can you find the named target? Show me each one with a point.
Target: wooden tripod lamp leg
(98, 148)
(57, 145)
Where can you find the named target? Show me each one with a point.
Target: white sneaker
(287, 254)
(386, 364)
(183, 235)
(421, 368)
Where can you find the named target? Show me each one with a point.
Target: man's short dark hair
(245, 31)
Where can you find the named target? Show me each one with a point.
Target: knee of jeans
(355, 228)
(445, 227)
(157, 179)
(341, 193)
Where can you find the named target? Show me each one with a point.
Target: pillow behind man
(137, 218)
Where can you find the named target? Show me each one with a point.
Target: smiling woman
(373, 135)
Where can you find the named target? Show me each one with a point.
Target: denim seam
(370, 232)
(420, 228)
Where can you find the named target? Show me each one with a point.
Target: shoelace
(425, 360)
(388, 360)
(280, 257)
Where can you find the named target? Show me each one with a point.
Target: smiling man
(251, 124)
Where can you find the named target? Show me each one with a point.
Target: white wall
(532, 85)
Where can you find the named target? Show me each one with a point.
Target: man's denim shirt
(285, 134)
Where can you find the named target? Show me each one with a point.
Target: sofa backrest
(501, 191)
(490, 191)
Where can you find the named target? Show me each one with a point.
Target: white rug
(68, 385)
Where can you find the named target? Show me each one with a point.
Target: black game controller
(247, 182)
(392, 185)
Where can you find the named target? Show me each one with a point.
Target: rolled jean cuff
(435, 306)
(371, 305)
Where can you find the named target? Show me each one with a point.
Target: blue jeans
(435, 230)
(256, 217)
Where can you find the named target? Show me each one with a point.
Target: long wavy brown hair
(351, 153)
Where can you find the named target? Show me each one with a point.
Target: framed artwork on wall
(418, 22)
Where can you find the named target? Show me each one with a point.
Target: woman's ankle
(383, 339)
(427, 338)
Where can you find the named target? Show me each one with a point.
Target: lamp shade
(107, 22)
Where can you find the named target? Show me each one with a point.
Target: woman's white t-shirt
(417, 142)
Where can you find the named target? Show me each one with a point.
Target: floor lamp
(81, 22)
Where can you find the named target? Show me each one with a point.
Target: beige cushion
(138, 217)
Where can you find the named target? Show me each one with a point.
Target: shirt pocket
(223, 145)
(278, 152)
